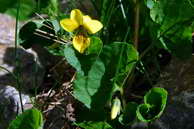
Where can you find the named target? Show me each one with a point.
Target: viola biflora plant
(101, 73)
(116, 58)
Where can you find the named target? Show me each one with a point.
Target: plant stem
(18, 74)
(136, 23)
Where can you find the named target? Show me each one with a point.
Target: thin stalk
(12, 74)
(35, 77)
(136, 23)
(146, 73)
(18, 81)
(111, 9)
(121, 53)
(50, 38)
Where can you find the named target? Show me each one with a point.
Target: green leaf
(154, 105)
(27, 7)
(115, 71)
(95, 86)
(95, 45)
(30, 119)
(56, 25)
(50, 7)
(94, 125)
(119, 63)
(175, 31)
(72, 59)
(85, 87)
(129, 114)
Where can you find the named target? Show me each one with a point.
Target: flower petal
(81, 42)
(69, 25)
(77, 15)
(92, 26)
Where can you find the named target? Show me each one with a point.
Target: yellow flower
(84, 24)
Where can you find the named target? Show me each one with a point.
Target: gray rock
(10, 105)
(7, 29)
(30, 70)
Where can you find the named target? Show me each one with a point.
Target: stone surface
(178, 76)
(7, 29)
(29, 67)
(10, 104)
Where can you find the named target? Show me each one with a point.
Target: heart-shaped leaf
(154, 105)
(30, 119)
(175, 31)
(95, 45)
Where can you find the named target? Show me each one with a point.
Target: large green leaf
(154, 105)
(86, 86)
(175, 18)
(95, 125)
(30, 119)
(119, 59)
(72, 59)
(95, 46)
(94, 88)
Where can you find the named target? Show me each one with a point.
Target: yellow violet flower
(82, 23)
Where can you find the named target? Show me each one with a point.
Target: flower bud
(116, 107)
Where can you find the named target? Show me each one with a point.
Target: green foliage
(129, 114)
(103, 72)
(70, 56)
(154, 105)
(30, 119)
(119, 59)
(10, 7)
(95, 46)
(50, 7)
(95, 125)
(28, 7)
(85, 87)
(94, 86)
(175, 31)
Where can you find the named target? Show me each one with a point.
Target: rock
(10, 105)
(7, 29)
(30, 70)
(178, 76)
